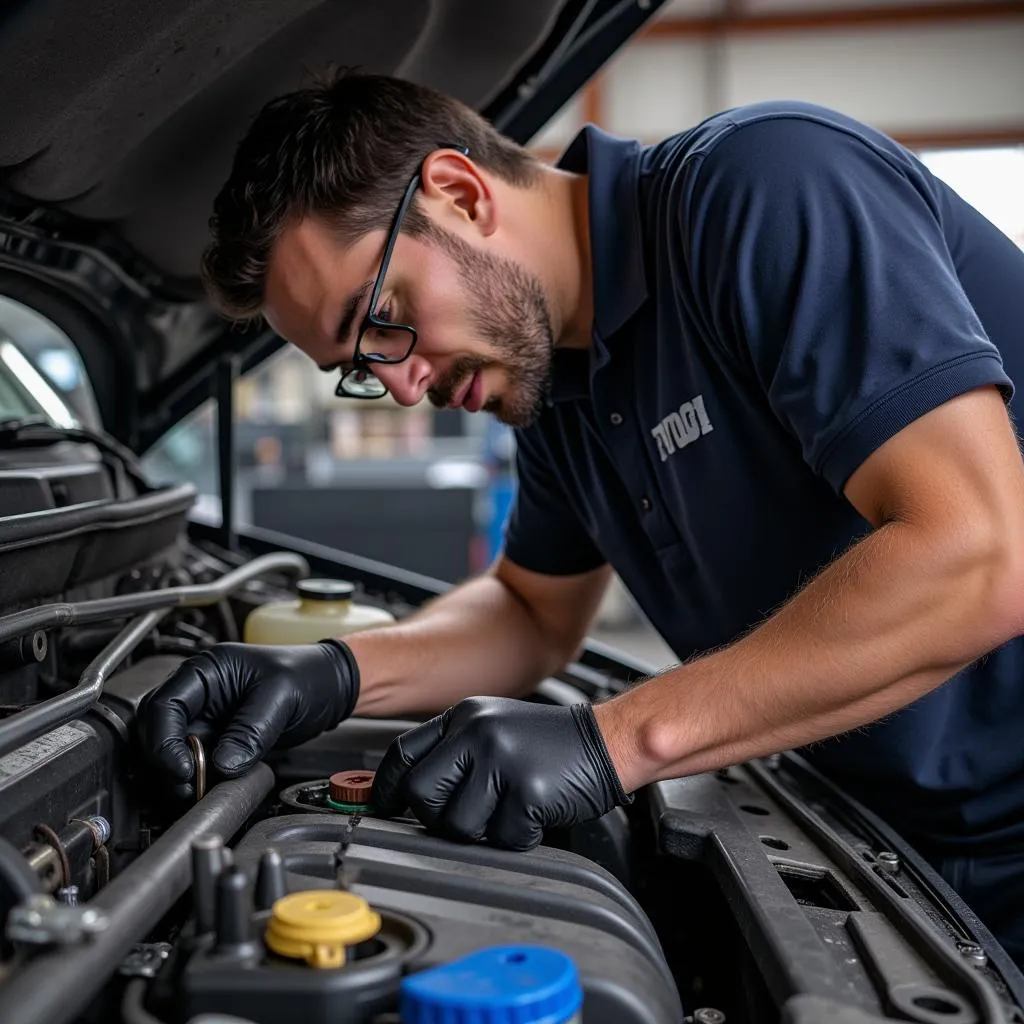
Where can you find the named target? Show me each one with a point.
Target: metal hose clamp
(199, 764)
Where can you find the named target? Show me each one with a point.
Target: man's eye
(384, 312)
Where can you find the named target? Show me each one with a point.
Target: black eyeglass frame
(363, 362)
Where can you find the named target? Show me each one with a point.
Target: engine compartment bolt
(888, 862)
(973, 952)
(68, 895)
(23, 650)
(40, 645)
(101, 827)
(42, 921)
(145, 959)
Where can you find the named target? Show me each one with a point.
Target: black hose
(54, 987)
(132, 1009)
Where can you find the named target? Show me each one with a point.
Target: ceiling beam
(963, 138)
(880, 16)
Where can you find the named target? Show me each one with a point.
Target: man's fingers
(470, 806)
(166, 722)
(255, 727)
(513, 827)
(405, 752)
(431, 782)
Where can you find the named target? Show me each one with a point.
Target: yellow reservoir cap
(318, 924)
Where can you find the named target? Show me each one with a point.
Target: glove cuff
(347, 669)
(583, 714)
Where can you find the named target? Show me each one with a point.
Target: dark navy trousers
(992, 885)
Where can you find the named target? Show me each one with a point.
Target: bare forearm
(893, 618)
(477, 640)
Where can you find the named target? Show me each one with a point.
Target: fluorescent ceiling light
(37, 386)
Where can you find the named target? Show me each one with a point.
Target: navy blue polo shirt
(778, 291)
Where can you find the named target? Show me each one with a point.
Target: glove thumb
(405, 752)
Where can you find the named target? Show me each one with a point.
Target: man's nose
(407, 381)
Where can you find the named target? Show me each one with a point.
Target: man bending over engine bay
(762, 369)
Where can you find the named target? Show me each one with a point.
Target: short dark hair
(343, 149)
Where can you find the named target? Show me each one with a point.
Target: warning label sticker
(35, 753)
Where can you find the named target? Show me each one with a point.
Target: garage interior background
(428, 490)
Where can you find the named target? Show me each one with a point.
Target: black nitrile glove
(251, 699)
(502, 770)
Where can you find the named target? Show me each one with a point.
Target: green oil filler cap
(497, 985)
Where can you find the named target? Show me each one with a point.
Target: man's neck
(562, 238)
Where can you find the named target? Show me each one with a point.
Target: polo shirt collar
(616, 244)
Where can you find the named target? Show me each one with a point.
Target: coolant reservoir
(497, 985)
(324, 609)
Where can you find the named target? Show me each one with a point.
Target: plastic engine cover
(438, 901)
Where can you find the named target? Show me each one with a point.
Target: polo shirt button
(646, 504)
(616, 419)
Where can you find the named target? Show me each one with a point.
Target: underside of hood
(121, 118)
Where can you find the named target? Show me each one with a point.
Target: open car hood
(120, 123)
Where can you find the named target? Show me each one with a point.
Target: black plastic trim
(894, 932)
(882, 837)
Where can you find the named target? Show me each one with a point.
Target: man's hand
(252, 699)
(500, 769)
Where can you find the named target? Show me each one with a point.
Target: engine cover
(438, 901)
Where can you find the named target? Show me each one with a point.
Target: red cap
(352, 787)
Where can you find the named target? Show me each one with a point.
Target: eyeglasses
(382, 341)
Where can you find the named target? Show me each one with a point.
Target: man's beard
(509, 310)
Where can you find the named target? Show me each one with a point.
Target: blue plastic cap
(499, 985)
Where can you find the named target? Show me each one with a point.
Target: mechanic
(762, 369)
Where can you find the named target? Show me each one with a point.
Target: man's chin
(514, 414)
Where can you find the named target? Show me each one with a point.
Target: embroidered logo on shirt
(678, 429)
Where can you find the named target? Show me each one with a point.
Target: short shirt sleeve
(543, 533)
(819, 262)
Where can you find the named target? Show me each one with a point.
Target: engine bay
(758, 893)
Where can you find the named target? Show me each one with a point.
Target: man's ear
(457, 189)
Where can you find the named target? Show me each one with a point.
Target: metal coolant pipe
(150, 607)
(82, 613)
(56, 986)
